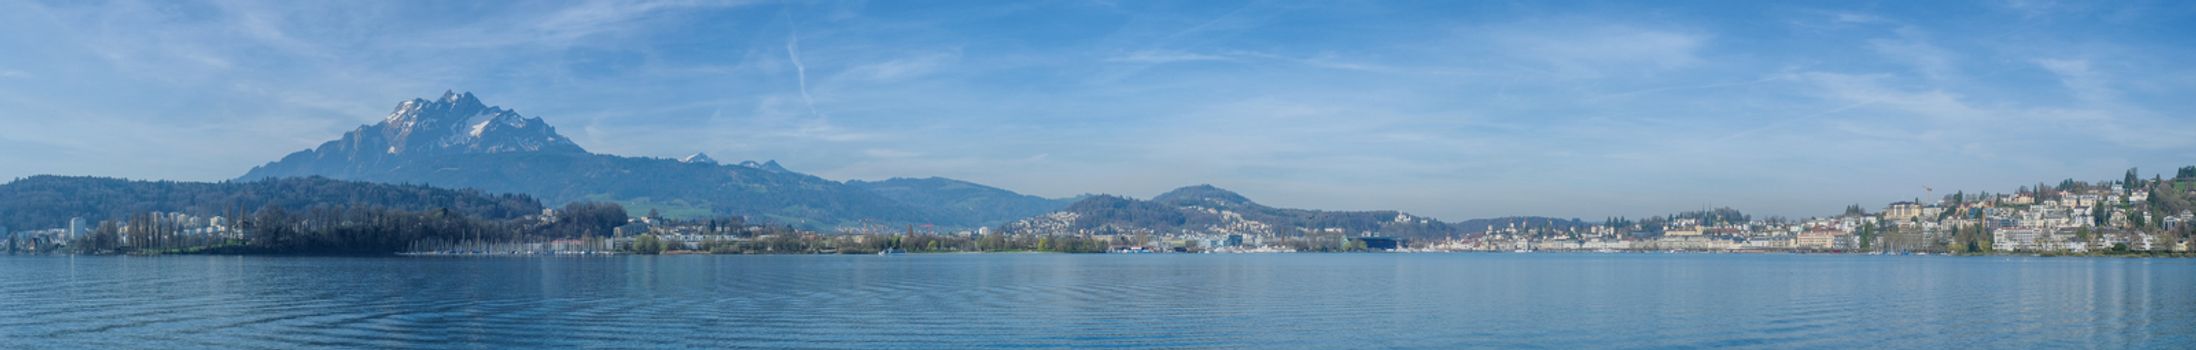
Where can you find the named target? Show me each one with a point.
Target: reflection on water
(1077, 301)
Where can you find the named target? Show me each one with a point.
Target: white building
(76, 229)
(2015, 239)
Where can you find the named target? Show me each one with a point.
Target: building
(1816, 239)
(1688, 231)
(2015, 239)
(76, 229)
(1380, 243)
(1902, 210)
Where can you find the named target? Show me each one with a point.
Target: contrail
(793, 51)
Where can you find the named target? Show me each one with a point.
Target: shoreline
(2157, 255)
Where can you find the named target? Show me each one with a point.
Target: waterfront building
(1380, 243)
(2015, 239)
(1682, 231)
(76, 229)
(1817, 239)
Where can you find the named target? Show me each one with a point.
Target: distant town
(2131, 216)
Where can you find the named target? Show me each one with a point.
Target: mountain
(698, 158)
(458, 141)
(1209, 209)
(984, 205)
(1203, 195)
(770, 166)
(420, 128)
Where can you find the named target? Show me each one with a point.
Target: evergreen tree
(2127, 185)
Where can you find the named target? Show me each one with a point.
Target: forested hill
(49, 201)
(1208, 209)
(961, 202)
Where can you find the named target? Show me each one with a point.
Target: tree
(588, 218)
(647, 245)
(2100, 214)
(2083, 235)
(1867, 235)
(2127, 185)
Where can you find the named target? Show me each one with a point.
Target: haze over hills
(990, 205)
(1209, 209)
(458, 141)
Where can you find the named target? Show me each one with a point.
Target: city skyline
(1453, 111)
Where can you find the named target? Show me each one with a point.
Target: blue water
(1428, 301)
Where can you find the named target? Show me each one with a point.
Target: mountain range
(458, 141)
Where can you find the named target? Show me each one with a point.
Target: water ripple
(1115, 302)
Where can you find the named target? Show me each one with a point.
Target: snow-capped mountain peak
(456, 123)
(771, 165)
(698, 158)
(460, 123)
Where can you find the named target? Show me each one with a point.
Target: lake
(964, 301)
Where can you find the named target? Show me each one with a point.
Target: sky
(1449, 109)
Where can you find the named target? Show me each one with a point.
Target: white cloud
(1855, 18)
(2033, 8)
(889, 153)
(1941, 116)
(2076, 75)
(1165, 56)
(1876, 90)
(1912, 48)
(1586, 49)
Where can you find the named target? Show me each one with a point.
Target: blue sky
(1454, 109)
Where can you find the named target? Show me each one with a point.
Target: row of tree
(344, 228)
(287, 216)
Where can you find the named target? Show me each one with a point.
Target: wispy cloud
(889, 153)
(1165, 56)
(902, 68)
(1579, 48)
(1913, 49)
(2079, 79)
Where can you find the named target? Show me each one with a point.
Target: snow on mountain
(698, 158)
(771, 165)
(460, 123)
(456, 141)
